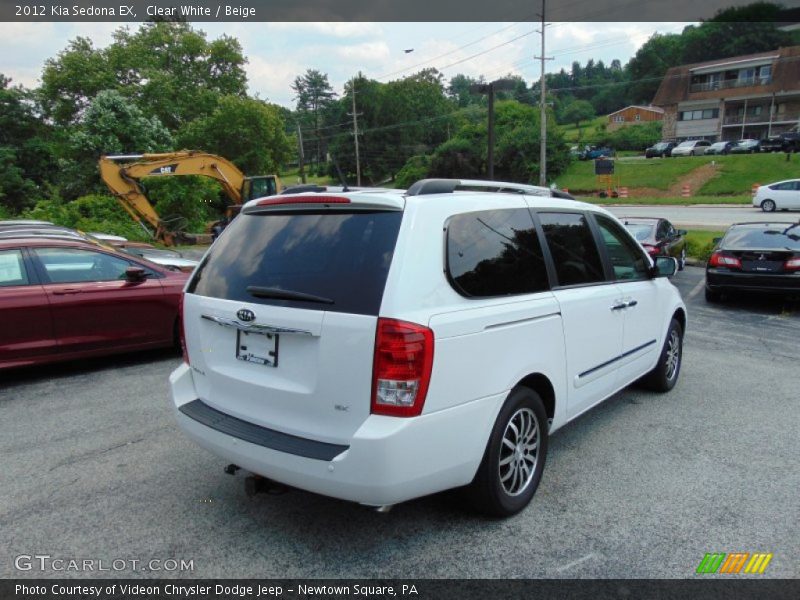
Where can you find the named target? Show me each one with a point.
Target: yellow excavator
(123, 174)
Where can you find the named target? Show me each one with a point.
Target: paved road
(704, 217)
(642, 486)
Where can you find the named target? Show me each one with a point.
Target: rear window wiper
(279, 294)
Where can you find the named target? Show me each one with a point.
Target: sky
(278, 52)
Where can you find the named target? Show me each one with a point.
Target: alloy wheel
(673, 355)
(519, 452)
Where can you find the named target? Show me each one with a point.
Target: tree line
(165, 86)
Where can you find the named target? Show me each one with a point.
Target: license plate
(259, 348)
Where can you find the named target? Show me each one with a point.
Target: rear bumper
(724, 280)
(388, 460)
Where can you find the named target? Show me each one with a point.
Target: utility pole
(355, 132)
(543, 113)
(490, 150)
(302, 156)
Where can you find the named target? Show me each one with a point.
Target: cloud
(272, 80)
(367, 52)
(331, 29)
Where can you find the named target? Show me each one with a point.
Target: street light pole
(489, 89)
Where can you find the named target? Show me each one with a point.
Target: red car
(62, 299)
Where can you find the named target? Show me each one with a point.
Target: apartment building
(751, 96)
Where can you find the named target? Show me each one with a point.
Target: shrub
(416, 168)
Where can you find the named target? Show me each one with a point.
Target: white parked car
(378, 347)
(691, 148)
(781, 195)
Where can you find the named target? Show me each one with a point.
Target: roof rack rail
(448, 186)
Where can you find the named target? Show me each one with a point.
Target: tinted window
(771, 237)
(343, 257)
(12, 268)
(70, 265)
(626, 257)
(572, 247)
(641, 231)
(495, 253)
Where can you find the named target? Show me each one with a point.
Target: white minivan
(381, 346)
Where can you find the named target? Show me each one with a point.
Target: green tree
(248, 132)
(25, 153)
(458, 158)
(314, 95)
(577, 111)
(168, 69)
(110, 125)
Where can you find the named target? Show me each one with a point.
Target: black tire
(768, 205)
(665, 374)
(488, 492)
(682, 259)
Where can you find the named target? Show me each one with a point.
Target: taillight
(184, 349)
(401, 369)
(651, 250)
(793, 264)
(718, 259)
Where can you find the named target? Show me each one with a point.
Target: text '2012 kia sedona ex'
(381, 346)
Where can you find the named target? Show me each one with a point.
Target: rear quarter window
(340, 256)
(495, 253)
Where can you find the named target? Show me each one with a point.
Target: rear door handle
(65, 291)
(620, 306)
(632, 303)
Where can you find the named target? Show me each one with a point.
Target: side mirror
(664, 266)
(135, 274)
(682, 232)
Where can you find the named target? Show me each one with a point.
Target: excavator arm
(123, 178)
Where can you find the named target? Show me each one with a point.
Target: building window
(765, 74)
(638, 117)
(696, 115)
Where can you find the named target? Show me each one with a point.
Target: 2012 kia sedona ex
(377, 346)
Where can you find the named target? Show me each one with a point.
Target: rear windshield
(641, 231)
(774, 237)
(341, 257)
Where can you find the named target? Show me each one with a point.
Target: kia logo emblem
(246, 315)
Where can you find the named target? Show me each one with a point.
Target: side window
(12, 268)
(495, 253)
(70, 265)
(626, 257)
(572, 247)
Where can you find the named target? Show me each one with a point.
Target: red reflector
(184, 349)
(718, 259)
(316, 199)
(401, 369)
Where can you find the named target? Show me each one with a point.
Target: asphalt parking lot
(642, 486)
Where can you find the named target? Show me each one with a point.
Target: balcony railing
(726, 84)
(762, 118)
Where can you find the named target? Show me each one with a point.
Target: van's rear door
(280, 316)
